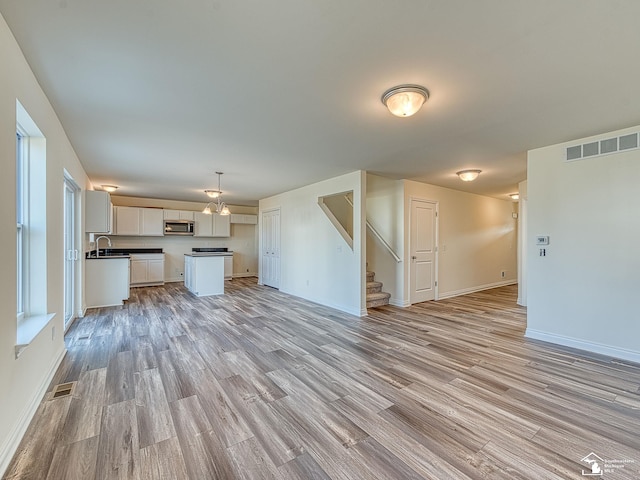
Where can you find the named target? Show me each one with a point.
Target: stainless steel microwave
(178, 227)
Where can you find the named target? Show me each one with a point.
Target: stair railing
(376, 234)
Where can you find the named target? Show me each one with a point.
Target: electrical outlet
(53, 332)
(503, 274)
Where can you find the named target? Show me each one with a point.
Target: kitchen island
(204, 271)
(107, 281)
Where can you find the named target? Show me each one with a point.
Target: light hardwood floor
(257, 384)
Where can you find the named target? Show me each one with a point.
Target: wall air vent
(603, 147)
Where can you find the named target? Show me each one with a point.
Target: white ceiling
(156, 95)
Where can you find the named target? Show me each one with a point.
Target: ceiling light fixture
(109, 188)
(514, 196)
(405, 100)
(468, 175)
(221, 207)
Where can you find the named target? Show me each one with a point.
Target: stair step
(378, 299)
(370, 276)
(374, 287)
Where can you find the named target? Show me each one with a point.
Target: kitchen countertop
(121, 252)
(209, 254)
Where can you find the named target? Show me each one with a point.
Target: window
(31, 232)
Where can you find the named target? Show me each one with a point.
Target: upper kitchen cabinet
(135, 221)
(244, 218)
(178, 215)
(221, 225)
(98, 216)
(151, 222)
(212, 225)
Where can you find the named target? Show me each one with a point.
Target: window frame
(22, 202)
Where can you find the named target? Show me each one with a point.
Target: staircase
(375, 296)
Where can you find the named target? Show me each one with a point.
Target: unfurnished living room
(305, 240)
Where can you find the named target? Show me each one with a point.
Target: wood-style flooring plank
(85, 411)
(119, 448)
(75, 461)
(152, 410)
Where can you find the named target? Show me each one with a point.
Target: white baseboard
(11, 444)
(608, 350)
(398, 302)
(479, 288)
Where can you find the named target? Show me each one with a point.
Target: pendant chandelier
(220, 206)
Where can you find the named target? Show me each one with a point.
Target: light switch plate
(542, 240)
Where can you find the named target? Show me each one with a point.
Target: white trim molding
(615, 352)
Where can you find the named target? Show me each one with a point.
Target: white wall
(316, 263)
(385, 212)
(243, 240)
(584, 292)
(24, 380)
(477, 239)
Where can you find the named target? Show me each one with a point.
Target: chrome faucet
(98, 246)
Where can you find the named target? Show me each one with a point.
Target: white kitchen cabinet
(127, 221)
(221, 225)
(213, 225)
(228, 267)
(178, 214)
(136, 221)
(147, 269)
(244, 218)
(98, 210)
(151, 222)
(106, 281)
(204, 275)
(203, 225)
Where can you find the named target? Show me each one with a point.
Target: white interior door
(270, 271)
(423, 251)
(70, 250)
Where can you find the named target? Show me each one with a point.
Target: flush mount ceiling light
(468, 175)
(109, 188)
(514, 196)
(221, 207)
(405, 100)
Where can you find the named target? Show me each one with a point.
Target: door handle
(413, 257)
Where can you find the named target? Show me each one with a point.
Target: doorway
(270, 252)
(70, 208)
(423, 250)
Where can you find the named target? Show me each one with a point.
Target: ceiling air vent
(603, 147)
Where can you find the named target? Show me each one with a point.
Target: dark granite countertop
(121, 252)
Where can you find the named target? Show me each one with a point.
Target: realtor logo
(595, 463)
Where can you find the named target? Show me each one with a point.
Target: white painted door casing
(423, 250)
(270, 254)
